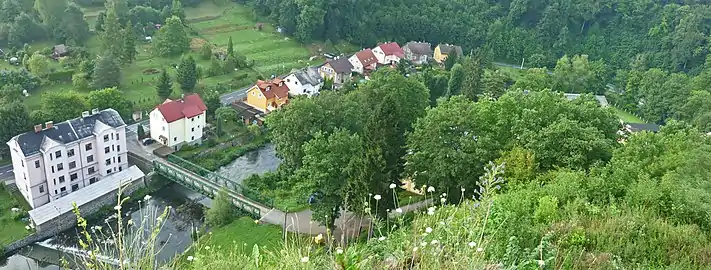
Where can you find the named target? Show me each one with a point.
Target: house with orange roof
(267, 96)
(388, 53)
(363, 61)
(178, 122)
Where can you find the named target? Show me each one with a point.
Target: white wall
(193, 128)
(186, 130)
(158, 126)
(357, 65)
(297, 87)
(380, 55)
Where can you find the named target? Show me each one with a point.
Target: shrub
(547, 209)
(223, 212)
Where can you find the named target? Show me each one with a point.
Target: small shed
(60, 50)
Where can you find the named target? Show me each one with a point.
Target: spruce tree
(187, 74)
(230, 48)
(128, 50)
(164, 87)
(106, 73)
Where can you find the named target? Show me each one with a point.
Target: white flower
(472, 244)
(479, 249)
(377, 197)
(463, 190)
(27, 227)
(423, 244)
(399, 210)
(443, 200)
(118, 207)
(444, 194)
(428, 230)
(382, 238)
(339, 251)
(434, 242)
(207, 247)
(414, 249)
(392, 186)
(430, 189)
(190, 258)
(147, 197)
(304, 259)
(541, 263)
(130, 222)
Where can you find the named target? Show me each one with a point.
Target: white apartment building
(178, 122)
(57, 159)
(305, 81)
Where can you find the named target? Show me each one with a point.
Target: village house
(338, 70)
(388, 53)
(418, 52)
(178, 122)
(363, 61)
(267, 96)
(444, 50)
(60, 50)
(305, 81)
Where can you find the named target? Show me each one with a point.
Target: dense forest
(671, 35)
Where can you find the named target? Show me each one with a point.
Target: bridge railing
(221, 180)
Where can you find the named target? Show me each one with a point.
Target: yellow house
(443, 50)
(267, 96)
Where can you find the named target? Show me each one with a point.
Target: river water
(174, 237)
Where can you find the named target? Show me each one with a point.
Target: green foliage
(171, 39)
(547, 210)
(223, 212)
(107, 73)
(176, 9)
(128, 48)
(112, 37)
(110, 98)
(206, 51)
(140, 132)
(10, 93)
(14, 119)
(436, 80)
(494, 83)
(578, 75)
(471, 85)
(61, 106)
(39, 64)
(187, 74)
(212, 100)
(456, 77)
(164, 87)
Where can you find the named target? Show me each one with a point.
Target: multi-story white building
(56, 159)
(178, 122)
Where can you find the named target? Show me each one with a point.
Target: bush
(17, 216)
(223, 212)
(61, 75)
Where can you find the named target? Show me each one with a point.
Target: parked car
(148, 141)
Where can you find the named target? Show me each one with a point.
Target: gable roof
(447, 49)
(341, 65)
(392, 48)
(419, 48)
(68, 131)
(366, 57)
(186, 107)
(308, 75)
(275, 87)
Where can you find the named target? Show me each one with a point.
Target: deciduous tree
(171, 39)
(61, 106)
(14, 120)
(187, 74)
(222, 212)
(110, 98)
(107, 73)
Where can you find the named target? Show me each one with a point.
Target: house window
(192, 119)
(37, 164)
(91, 170)
(192, 138)
(60, 167)
(175, 139)
(117, 136)
(120, 169)
(112, 136)
(61, 179)
(107, 149)
(23, 162)
(113, 148)
(88, 147)
(73, 177)
(55, 181)
(75, 187)
(119, 159)
(50, 158)
(52, 169)
(63, 189)
(92, 180)
(108, 171)
(108, 161)
(106, 137)
(118, 148)
(254, 93)
(90, 159)
(55, 192)
(70, 153)
(163, 128)
(72, 165)
(192, 129)
(41, 189)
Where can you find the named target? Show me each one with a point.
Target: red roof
(275, 87)
(366, 57)
(187, 107)
(392, 49)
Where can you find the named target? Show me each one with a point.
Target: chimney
(269, 88)
(85, 114)
(95, 111)
(48, 125)
(38, 128)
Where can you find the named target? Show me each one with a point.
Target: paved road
(6, 173)
(228, 98)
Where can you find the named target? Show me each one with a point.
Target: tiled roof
(366, 57)
(341, 65)
(275, 87)
(392, 49)
(419, 48)
(186, 107)
(68, 131)
(447, 49)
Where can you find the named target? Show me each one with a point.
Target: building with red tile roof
(269, 95)
(363, 61)
(388, 53)
(177, 122)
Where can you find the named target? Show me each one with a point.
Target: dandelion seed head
(428, 230)
(430, 189)
(479, 249)
(190, 258)
(382, 238)
(472, 244)
(305, 259)
(443, 200)
(377, 197)
(392, 186)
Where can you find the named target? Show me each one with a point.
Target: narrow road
(228, 98)
(6, 174)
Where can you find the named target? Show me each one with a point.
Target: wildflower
(479, 249)
(190, 258)
(147, 197)
(339, 251)
(159, 219)
(377, 197)
(414, 249)
(430, 189)
(541, 263)
(130, 222)
(444, 194)
(207, 247)
(392, 186)
(428, 230)
(382, 238)
(304, 259)
(431, 213)
(118, 207)
(256, 221)
(398, 210)
(472, 244)
(443, 200)
(434, 242)
(318, 239)
(367, 209)
(27, 227)
(423, 244)
(463, 189)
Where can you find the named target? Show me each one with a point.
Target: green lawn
(10, 230)
(627, 117)
(513, 73)
(405, 197)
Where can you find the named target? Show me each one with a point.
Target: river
(174, 237)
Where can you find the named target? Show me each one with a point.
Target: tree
(14, 119)
(329, 171)
(578, 75)
(140, 132)
(187, 74)
(230, 48)
(171, 39)
(10, 93)
(107, 73)
(177, 10)
(223, 212)
(451, 60)
(39, 116)
(225, 114)
(206, 51)
(110, 98)
(81, 81)
(494, 83)
(165, 86)
(51, 13)
(100, 20)
(112, 37)
(61, 106)
(211, 98)
(75, 28)
(534, 79)
(473, 72)
(128, 50)
(437, 82)
(456, 77)
(39, 64)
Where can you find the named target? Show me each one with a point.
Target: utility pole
(522, 61)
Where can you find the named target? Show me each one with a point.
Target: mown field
(272, 52)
